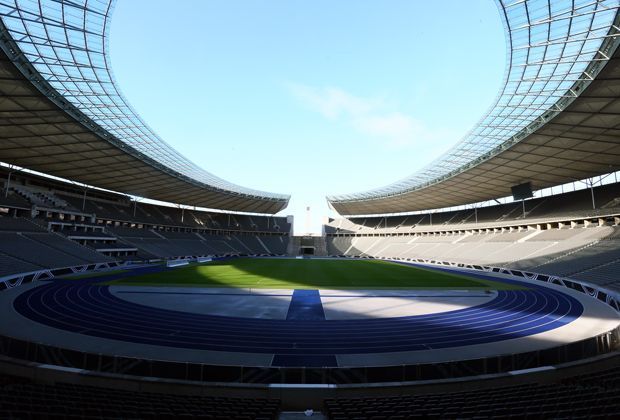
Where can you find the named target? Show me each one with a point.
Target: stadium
(136, 284)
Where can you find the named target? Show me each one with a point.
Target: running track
(86, 308)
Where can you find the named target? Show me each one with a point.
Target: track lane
(91, 309)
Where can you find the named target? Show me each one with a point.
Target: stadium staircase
(260, 241)
(245, 249)
(563, 256)
(157, 234)
(41, 198)
(595, 268)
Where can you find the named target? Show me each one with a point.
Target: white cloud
(332, 102)
(397, 128)
(371, 117)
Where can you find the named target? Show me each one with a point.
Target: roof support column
(8, 184)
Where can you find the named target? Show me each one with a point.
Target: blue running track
(309, 340)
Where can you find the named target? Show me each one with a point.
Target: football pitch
(284, 273)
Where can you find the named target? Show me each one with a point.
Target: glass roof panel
(552, 43)
(66, 43)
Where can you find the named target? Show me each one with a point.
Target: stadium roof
(556, 119)
(62, 113)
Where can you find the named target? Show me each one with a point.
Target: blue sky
(309, 97)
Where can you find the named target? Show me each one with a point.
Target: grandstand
(552, 239)
(92, 203)
(21, 399)
(562, 235)
(533, 400)
(67, 231)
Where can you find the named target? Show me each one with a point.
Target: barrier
(176, 263)
(14, 280)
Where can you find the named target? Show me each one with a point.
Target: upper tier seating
(131, 232)
(607, 198)
(18, 224)
(13, 200)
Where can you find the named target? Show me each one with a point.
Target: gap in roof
(309, 98)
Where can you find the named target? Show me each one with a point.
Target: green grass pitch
(309, 274)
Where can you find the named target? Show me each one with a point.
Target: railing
(186, 371)
(14, 280)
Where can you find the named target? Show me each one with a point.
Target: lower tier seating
(594, 395)
(22, 400)
(184, 244)
(23, 248)
(590, 254)
(26, 245)
(10, 265)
